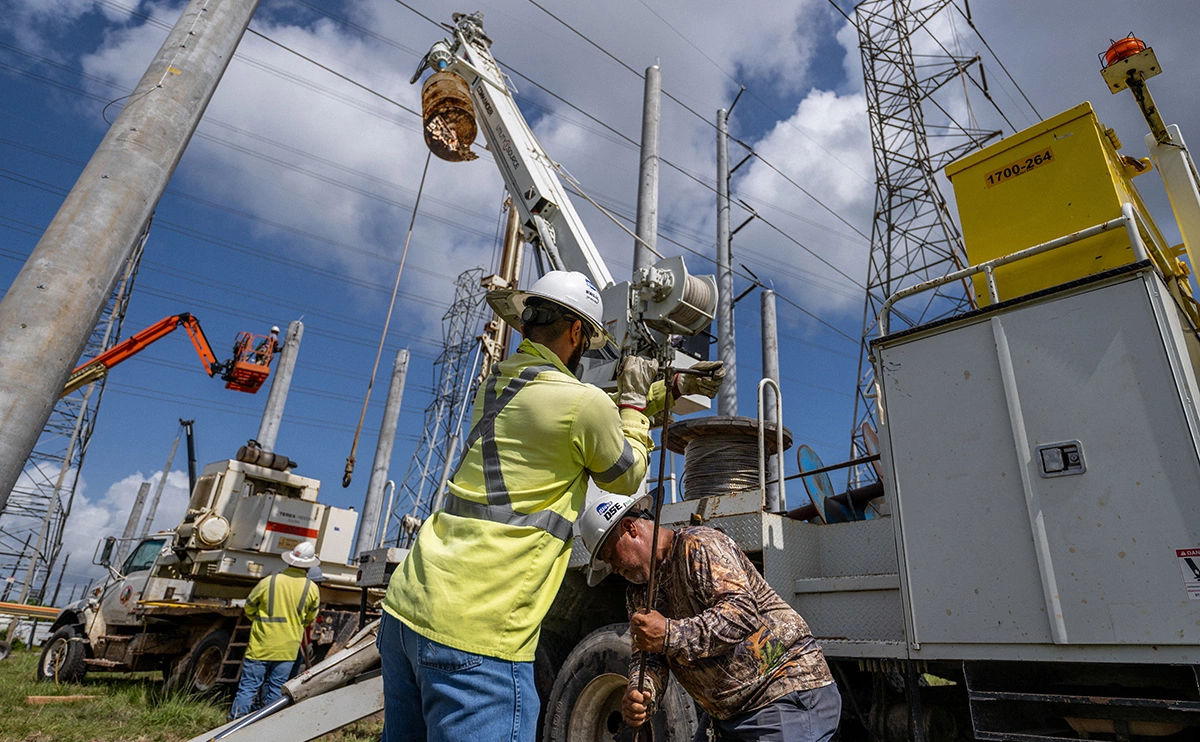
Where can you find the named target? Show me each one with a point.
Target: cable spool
(696, 293)
(674, 301)
(721, 454)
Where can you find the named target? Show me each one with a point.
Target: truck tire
(5, 650)
(585, 704)
(199, 671)
(62, 657)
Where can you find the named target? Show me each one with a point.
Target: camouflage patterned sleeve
(657, 672)
(720, 582)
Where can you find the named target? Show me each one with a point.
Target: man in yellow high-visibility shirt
(279, 607)
(462, 613)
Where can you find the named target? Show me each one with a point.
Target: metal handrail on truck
(1129, 218)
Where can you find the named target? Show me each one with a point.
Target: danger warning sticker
(1189, 565)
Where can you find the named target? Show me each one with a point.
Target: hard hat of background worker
(571, 290)
(303, 556)
(597, 523)
(275, 329)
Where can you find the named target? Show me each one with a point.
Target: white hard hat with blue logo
(597, 524)
(569, 289)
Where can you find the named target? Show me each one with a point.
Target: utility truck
(1030, 570)
(175, 604)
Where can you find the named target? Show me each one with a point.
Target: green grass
(128, 708)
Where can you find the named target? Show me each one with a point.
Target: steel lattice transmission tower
(915, 132)
(33, 520)
(452, 397)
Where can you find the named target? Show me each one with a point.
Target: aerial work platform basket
(251, 362)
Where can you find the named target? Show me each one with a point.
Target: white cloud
(93, 519)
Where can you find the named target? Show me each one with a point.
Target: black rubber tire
(62, 657)
(585, 703)
(552, 651)
(198, 673)
(5, 650)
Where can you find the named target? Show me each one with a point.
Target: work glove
(634, 380)
(706, 385)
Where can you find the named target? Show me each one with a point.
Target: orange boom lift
(245, 372)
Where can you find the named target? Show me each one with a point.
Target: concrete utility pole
(268, 429)
(162, 481)
(135, 517)
(368, 528)
(770, 370)
(726, 347)
(51, 308)
(647, 205)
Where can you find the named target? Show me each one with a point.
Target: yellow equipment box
(1054, 178)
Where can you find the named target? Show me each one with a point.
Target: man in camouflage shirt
(740, 650)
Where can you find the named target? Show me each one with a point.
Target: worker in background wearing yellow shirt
(279, 607)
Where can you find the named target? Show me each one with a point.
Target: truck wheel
(585, 704)
(62, 657)
(5, 650)
(199, 672)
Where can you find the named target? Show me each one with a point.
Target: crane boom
(467, 89)
(98, 367)
(547, 216)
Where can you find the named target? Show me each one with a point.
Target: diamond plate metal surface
(860, 615)
(792, 552)
(865, 547)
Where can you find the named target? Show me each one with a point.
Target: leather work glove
(634, 380)
(707, 385)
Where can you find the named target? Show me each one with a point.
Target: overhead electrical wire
(118, 387)
(288, 227)
(980, 36)
(640, 76)
(386, 323)
(632, 143)
(844, 15)
(334, 72)
(309, 59)
(59, 191)
(683, 105)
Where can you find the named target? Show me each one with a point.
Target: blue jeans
(433, 693)
(800, 716)
(266, 676)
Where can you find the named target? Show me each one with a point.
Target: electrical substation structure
(34, 518)
(913, 236)
(452, 396)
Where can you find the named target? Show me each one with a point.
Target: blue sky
(293, 199)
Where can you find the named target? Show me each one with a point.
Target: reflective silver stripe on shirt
(498, 508)
(271, 617)
(484, 431)
(616, 470)
(547, 520)
(300, 606)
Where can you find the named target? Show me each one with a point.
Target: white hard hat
(303, 556)
(275, 329)
(570, 289)
(597, 523)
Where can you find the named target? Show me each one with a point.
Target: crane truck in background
(1032, 575)
(245, 372)
(175, 604)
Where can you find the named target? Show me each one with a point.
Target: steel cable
(720, 464)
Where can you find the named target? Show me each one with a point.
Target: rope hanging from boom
(349, 474)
